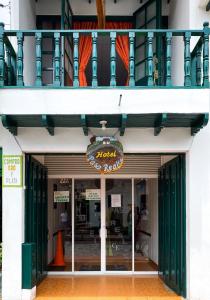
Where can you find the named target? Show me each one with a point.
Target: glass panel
(140, 19)
(139, 40)
(140, 71)
(151, 11)
(47, 77)
(59, 224)
(145, 224)
(87, 248)
(47, 44)
(47, 61)
(140, 53)
(119, 225)
(152, 24)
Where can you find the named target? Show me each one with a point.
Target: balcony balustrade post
(13, 69)
(198, 66)
(94, 60)
(150, 63)
(132, 60)
(2, 64)
(20, 37)
(168, 58)
(9, 66)
(57, 79)
(38, 59)
(113, 36)
(187, 59)
(76, 58)
(206, 55)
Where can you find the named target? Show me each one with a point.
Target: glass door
(87, 231)
(119, 225)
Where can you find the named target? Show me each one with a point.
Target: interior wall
(83, 7)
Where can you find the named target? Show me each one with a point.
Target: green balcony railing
(196, 62)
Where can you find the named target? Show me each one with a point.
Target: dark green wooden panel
(36, 215)
(172, 224)
(28, 265)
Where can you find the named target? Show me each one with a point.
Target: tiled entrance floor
(104, 288)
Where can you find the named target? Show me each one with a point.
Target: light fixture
(103, 124)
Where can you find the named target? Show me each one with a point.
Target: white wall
(5, 15)
(198, 221)
(23, 17)
(179, 18)
(198, 15)
(13, 228)
(188, 14)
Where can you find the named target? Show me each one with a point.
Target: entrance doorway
(108, 225)
(111, 224)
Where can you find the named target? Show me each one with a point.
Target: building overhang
(158, 121)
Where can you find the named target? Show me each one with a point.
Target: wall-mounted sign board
(12, 171)
(105, 154)
(61, 196)
(93, 194)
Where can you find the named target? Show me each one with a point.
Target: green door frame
(172, 224)
(34, 264)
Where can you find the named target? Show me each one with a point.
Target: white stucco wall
(198, 221)
(170, 140)
(188, 14)
(179, 18)
(12, 229)
(23, 17)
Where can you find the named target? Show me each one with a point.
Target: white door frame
(103, 224)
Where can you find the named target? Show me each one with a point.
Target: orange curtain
(85, 45)
(122, 42)
(85, 49)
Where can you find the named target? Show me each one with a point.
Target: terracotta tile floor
(104, 288)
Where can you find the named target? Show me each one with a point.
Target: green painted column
(150, 63)
(2, 65)
(168, 58)
(94, 60)
(206, 54)
(76, 58)
(187, 59)
(20, 81)
(132, 59)
(57, 79)
(113, 36)
(198, 66)
(38, 37)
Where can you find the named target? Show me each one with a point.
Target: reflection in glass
(87, 248)
(59, 222)
(119, 225)
(145, 225)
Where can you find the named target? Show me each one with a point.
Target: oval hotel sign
(105, 154)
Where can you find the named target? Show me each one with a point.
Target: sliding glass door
(87, 241)
(119, 225)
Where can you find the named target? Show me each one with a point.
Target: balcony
(154, 71)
